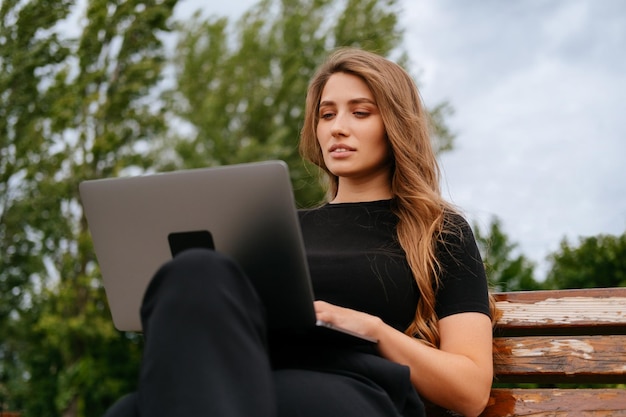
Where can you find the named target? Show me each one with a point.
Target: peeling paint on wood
(565, 310)
(573, 347)
(560, 358)
(555, 402)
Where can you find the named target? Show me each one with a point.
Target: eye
(326, 115)
(361, 114)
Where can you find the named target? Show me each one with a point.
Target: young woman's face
(350, 130)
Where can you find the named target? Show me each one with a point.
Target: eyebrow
(353, 101)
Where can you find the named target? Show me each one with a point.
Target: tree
(597, 261)
(27, 51)
(85, 110)
(242, 91)
(506, 272)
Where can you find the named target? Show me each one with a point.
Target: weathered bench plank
(564, 359)
(581, 311)
(556, 402)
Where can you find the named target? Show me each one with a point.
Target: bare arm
(457, 376)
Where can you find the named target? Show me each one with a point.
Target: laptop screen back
(245, 211)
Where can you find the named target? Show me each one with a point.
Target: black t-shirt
(356, 261)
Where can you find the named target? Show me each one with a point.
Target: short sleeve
(463, 283)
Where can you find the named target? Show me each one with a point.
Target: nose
(339, 127)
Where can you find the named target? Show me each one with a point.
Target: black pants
(206, 355)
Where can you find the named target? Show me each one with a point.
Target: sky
(537, 89)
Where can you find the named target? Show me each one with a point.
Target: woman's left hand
(346, 318)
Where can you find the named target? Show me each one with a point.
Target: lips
(340, 149)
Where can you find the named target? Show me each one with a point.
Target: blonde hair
(417, 199)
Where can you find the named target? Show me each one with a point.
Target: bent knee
(198, 276)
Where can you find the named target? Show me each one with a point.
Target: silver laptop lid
(246, 211)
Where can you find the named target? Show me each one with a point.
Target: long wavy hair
(417, 199)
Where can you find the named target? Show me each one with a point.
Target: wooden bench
(559, 337)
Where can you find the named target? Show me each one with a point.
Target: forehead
(344, 86)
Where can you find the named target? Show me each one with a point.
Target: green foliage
(70, 109)
(25, 54)
(22, 56)
(506, 272)
(597, 261)
(80, 364)
(241, 89)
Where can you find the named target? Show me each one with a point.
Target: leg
(205, 351)
(306, 393)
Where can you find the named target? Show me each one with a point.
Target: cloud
(537, 88)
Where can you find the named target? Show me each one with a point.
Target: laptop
(245, 211)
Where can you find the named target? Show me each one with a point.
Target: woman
(366, 127)
(389, 259)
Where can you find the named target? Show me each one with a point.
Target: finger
(322, 306)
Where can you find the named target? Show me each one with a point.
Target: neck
(349, 191)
